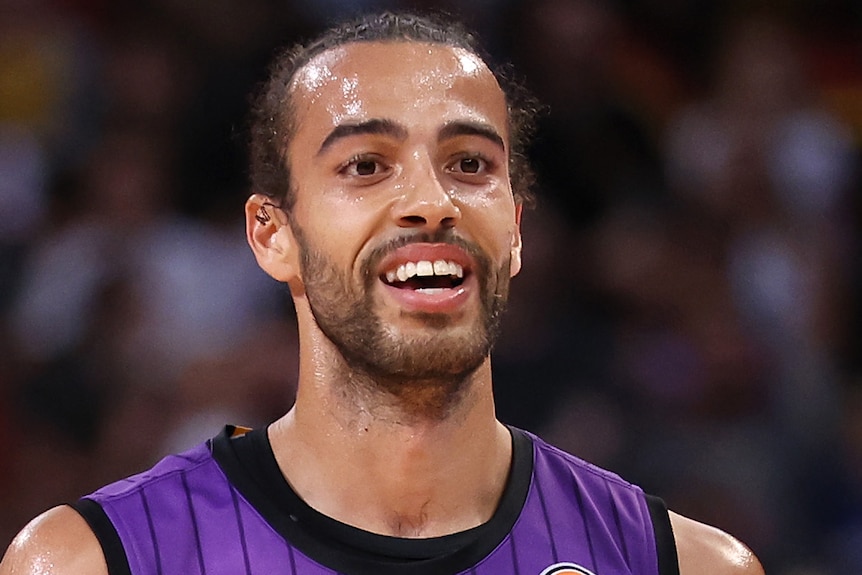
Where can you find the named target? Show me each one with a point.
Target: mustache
(444, 236)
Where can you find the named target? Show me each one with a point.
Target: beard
(439, 357)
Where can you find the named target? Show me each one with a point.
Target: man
(384, 200)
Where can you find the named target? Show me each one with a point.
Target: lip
(446, 301)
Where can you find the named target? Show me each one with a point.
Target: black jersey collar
(249, 463)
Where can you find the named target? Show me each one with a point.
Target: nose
(426, 202)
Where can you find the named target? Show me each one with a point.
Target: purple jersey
(224, 508)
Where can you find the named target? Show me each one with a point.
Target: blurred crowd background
(688, 314)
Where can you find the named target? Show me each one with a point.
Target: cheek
(496, 224)
(339, 228)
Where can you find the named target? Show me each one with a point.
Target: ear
(515, 265)
(271, 239)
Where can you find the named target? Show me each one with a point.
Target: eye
(364, 167)
(470, 165)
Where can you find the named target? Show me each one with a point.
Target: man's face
(404, 214)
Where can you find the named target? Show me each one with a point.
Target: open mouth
(425, 276)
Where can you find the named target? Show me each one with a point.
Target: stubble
(425, 372)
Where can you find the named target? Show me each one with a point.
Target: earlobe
(515, 253)
(515, 261)
(271, 239)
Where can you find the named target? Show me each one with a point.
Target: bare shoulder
(57, 542)
(705, 550)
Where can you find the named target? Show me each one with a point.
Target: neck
(432, 464)
(400, 402)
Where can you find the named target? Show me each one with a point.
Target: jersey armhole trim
(106, 533)
(668, 562)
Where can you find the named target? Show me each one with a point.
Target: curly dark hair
(272, 117)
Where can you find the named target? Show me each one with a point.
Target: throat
(408, 401)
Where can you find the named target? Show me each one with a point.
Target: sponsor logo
(566, 569)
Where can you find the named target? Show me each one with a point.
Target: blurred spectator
(775, 169)
(592, 148)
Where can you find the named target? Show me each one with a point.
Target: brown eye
(470, 165)
(365, 167)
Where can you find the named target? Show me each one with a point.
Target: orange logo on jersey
(566, 569)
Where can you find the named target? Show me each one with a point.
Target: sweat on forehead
(442, 64)
(385, 27)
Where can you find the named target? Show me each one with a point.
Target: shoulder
(57, 542)
(555, 459)
(705, 550)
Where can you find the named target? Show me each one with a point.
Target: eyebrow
(381, 126)
(373, 126)
(467, 128)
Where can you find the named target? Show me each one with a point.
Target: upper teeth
(424, 268)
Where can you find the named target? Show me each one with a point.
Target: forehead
(401, 80)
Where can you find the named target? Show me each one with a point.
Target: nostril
(448, 222)
(414, 220)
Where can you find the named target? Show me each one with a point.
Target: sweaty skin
(395, 142)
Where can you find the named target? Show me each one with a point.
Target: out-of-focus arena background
(688, 314)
